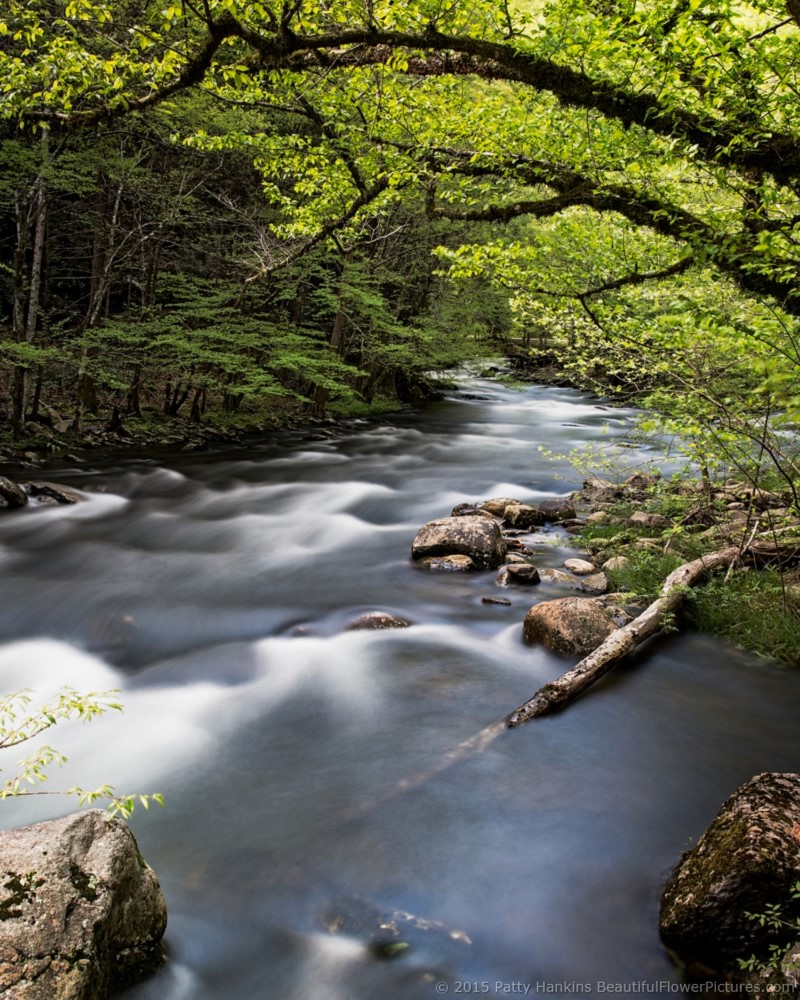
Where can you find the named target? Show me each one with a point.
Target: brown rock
(522, 515)
(376, 620)
(497, 506)
(562, 509)
(574, 625)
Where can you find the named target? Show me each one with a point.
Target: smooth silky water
(213, 590)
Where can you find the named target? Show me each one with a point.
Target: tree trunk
(591, 668)
(26, 332)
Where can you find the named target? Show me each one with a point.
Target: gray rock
(597, 583)
(376, 620)
(562, 509)
(41, 490)
(597, 517)
(496, 600)
(580, 567)
(11, 495)
(476, 537)
(574, 625)
(448, 564)
(524, 574)
(81, 913)
(747, 861)
(616, 562)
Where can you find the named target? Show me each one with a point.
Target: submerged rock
(568, 625)
(746, 862)
(376, 620)
(448, 564)
(476, 537)
(81, 913)
(392, 934)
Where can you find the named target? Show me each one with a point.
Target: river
(213, 588)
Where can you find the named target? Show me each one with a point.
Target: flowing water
(213, 590)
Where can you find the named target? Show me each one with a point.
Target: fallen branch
(591, 668)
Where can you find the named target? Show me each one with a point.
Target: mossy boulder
(476, 537)
(81, 913)
(746, 862)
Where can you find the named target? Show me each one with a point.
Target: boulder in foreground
(81, 913)
(476, 537)
(568, 625)
(746, 862)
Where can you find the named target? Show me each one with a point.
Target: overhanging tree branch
(432, 53)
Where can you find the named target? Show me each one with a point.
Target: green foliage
(774, 920)
(19, 724)
(760, 611)
(645, 574)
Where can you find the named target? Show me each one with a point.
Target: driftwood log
(591, 668)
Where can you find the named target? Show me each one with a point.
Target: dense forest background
(238, 213)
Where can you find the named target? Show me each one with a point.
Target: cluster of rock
(14, 495)
(81, 913)
(488, 535)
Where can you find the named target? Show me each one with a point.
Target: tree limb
(621, 642)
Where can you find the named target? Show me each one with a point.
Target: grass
(753, 610)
